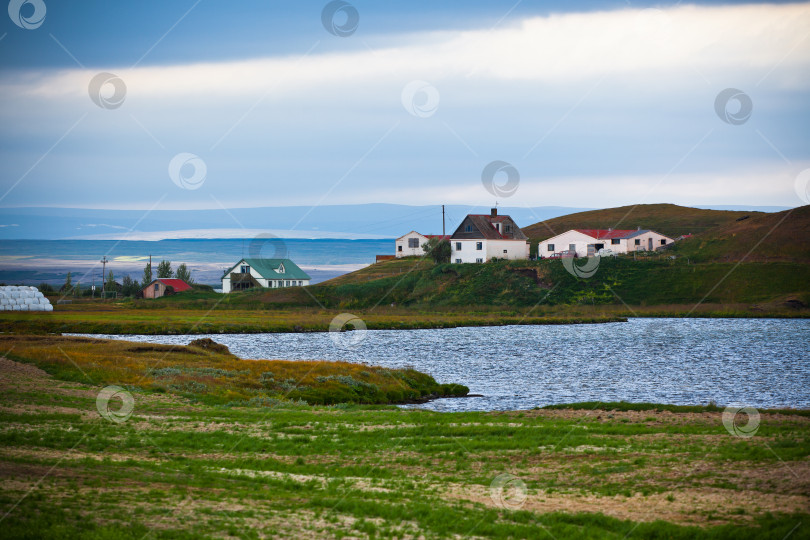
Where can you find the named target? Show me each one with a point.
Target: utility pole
(103, 274)
(443, 220)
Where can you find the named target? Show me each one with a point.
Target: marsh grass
(219, 378)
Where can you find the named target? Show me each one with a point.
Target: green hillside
(669, 219)
(781, 236)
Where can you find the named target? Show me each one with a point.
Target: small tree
(164, 270)
(183, 273)
(147, 274)
(437, 249)
(129, 287)
(66, 288)
(77, 289)
(110, 286)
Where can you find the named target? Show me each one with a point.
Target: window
(663, 242)
(458, 246)
(244, 269)
(479, 260)
(287, 283)
(505, 251)
(468, 228)
(399, 248)
(550, 247)
(507, 228)
(157, 287)
(572, 247)
(479, 246)
(498, 227)
(280, 269)
(615, 241)
(413, 242)
(458, 261)
(638, 242)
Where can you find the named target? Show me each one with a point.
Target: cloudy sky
(204, 103)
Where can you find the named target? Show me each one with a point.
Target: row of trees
(164, 270)
(127, 287)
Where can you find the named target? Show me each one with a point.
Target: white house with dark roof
(482, 237)
(412, 244)
(588, 242)
(268, 273)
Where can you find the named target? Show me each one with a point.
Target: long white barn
(588, 242)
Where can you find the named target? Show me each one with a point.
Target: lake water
(763, 363)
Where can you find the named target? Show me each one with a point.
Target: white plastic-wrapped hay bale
(23, 298)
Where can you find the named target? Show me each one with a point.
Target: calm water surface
(757, 362)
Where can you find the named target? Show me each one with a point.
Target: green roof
(267, 268)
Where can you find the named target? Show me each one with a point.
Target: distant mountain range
(372, 221)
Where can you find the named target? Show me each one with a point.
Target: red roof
(606, 233)
(177, 284)
(439, 236)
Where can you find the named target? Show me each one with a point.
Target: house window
(504, 251)
(638, 241)
(498, 227)
(507, 228)
(399, 248)
(615, 241)
(413, 242)
(479, 260)
(663, 242)
(550, 247)
(458, 261)
(287, 283)
(468, 228)
(157, 287)
(245, 269)
(572, 247)
(479, 246)
(458, 246)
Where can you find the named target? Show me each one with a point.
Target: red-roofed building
(588, 242)
(159, 286)
(411, 244)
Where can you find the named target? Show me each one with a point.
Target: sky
(205, 104)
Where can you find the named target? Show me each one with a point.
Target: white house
(411, 244)
(268, 273)
(482, 237)
(588, 242)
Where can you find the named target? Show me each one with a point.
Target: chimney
(494, 213)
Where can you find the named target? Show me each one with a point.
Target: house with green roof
(267, 273)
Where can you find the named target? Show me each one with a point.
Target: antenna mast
(103, 272)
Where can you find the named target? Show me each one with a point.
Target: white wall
(515, 249)
(644, 241)
(562, 241)
(402, 242)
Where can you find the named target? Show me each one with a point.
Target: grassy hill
(669, 219)
(781, 236)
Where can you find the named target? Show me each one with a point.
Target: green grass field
(181, 468)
